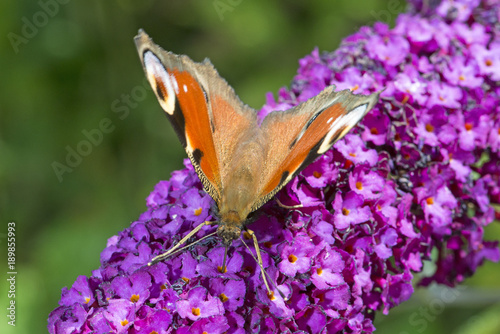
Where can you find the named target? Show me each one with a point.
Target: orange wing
(303, 133)
(202, 107)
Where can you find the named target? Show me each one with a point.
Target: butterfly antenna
(187, 246)
(181, 242)
(290, 207)
(259, 262)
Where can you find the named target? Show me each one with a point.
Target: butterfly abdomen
(239, 190)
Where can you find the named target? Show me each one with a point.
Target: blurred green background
(69, 65)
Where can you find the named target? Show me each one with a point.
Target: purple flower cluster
(415, 182)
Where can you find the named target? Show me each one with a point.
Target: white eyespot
(156, 72)
(174, 83)
(329, 120)
(347, 122)
(359, 111)
(185, 88)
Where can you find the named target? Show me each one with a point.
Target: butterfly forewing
(205, 112)
(303, 133)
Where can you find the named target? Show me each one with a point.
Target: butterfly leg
(180, 243)
(298, 206)
(259, 261)
(259, 258)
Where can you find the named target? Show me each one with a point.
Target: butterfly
(242, 161)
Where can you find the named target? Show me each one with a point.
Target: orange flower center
(223, 297)
(197, 212)
(405, 99)
(270, 295)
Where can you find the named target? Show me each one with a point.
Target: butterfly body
(241, 163)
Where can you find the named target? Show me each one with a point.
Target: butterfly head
(229, 227)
